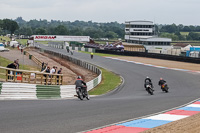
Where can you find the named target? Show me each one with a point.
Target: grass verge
(109, 82)
(4, 38)
(22, 41)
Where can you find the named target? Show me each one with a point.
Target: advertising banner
(61, 38)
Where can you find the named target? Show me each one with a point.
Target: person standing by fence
(59, 72)
(12, 66)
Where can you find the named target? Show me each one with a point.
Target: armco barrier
(152, 55)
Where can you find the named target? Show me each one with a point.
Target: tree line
(76, 28)
(174, 31)
(8, 26)
(93, 29)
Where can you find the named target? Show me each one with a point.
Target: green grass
(4, 62)
(186, 33)
(102, 54)
(109, 82)
(43, 42)
(22, 41)
(4, 38)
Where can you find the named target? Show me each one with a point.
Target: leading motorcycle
(149, 89)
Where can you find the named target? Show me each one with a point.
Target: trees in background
(78, 28)
(93, 29)
(8, 26)
(175, 32)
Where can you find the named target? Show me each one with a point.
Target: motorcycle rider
(80, 83)
(161, 82)
(148, 81)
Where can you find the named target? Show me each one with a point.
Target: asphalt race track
(73, 115)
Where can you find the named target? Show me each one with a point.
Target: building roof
(182, 44)
(139, 22)
(150, 38)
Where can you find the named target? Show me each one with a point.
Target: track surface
(73, 115)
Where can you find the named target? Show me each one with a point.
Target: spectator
(17, 63)
(42, 66)
(56, 69)
(21, 50)
(53, 71)
(48, 70)
(59, 72)
(12, 66)
(45, 75)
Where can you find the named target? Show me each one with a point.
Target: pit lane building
(143, 33)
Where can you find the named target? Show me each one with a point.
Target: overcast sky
(160, 11)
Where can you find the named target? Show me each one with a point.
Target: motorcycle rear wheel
(80, 95)
(150, 91)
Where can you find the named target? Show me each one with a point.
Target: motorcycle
(165, 87)
(149, 89)
(82, 93)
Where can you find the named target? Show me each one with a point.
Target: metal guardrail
(76, 61)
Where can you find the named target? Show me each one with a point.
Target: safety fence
(152, 55)
(31, 77)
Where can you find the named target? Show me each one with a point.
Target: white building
(143, 32)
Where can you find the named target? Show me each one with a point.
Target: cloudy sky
(160, 11)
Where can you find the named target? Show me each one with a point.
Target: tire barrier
(44, 91)
(33, 91)
(18, 91)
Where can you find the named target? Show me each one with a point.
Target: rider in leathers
(80, 83)
(161, 82)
